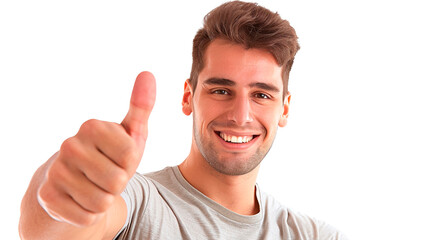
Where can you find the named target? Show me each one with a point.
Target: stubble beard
(233, 166)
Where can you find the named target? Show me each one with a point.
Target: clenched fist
(93, 167)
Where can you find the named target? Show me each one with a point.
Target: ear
(283, 119)
(187, 98)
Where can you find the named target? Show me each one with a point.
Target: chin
(233, 166)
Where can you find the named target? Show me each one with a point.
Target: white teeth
(235, 139)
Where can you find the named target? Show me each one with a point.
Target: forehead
(224, 59)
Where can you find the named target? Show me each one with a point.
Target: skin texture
(239, 93)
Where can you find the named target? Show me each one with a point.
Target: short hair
(250, 25)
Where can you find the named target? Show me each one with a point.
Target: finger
(105, 146)
(142, 101)
(88, 195)
(61, 207)
(73, 182)
(104, 173)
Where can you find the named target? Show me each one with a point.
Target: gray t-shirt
(163, 205)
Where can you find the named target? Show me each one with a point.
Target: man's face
(237, 107)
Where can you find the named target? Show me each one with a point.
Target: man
(238, 95)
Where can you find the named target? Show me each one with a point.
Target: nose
(240, 111)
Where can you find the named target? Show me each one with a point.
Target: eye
(262, 95)
(220, 92)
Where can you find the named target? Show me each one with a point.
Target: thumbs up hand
(93, 167)
(142, 101)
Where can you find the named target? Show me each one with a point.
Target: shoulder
(145, 188)
(141, 187)
(297, 224)
(316, 228)
(141, 182)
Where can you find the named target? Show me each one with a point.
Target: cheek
(269, 119)
(270, 125)
(208, 109)
(203, 114)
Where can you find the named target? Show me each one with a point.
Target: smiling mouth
(236, 139)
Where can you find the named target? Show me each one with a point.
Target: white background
(353, 153)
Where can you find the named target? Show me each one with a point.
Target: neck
(236, 193)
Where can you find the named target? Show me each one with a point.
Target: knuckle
(58, 174)
(58, 170)
(69, 147)
(53, 176)
(128, 155)
(104, 203)
(47, 197)
(91, 123)
(118, 181)
(86, 220)
(91, 127)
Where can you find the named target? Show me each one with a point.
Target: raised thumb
(142, 100)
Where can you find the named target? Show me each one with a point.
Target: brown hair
(250, 25)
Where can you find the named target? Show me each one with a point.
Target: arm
(76, 193)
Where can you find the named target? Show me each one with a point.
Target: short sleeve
(328, 232)
(135, 196)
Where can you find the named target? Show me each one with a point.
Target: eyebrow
(265, 86)
(219, 81)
